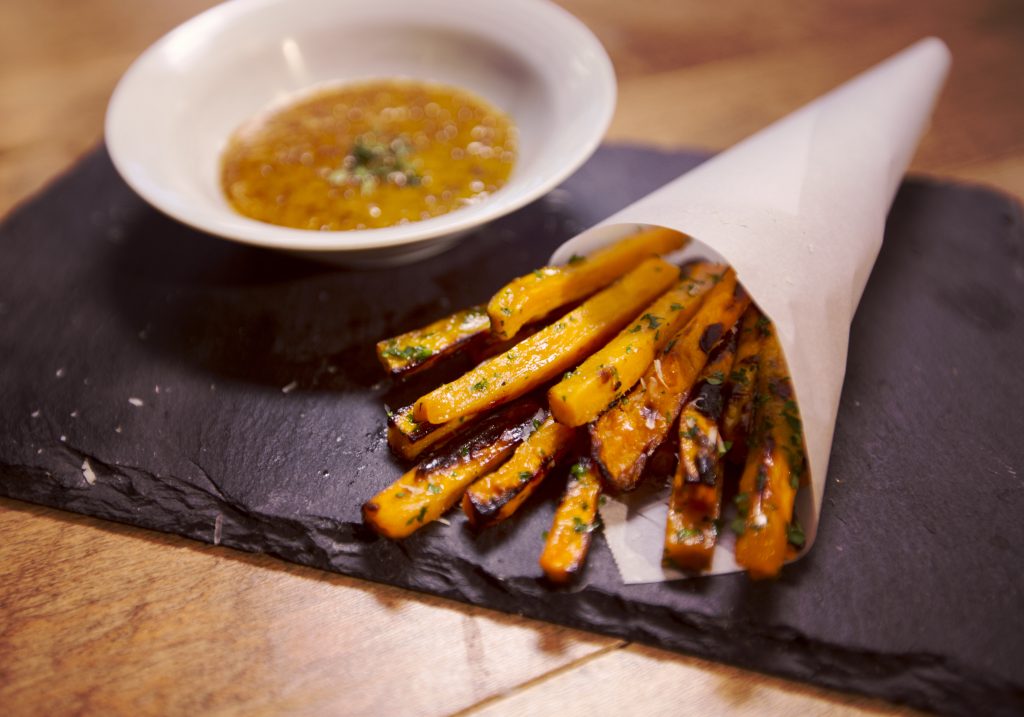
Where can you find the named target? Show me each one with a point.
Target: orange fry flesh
(587, 390)
(742, 383)
(551, 351)
(568, 541)
(409, 438)
(418, 348)
(624, 437)
(424, 493)
(535, 295)
(774, 467)
(691, 530)
(497, 495)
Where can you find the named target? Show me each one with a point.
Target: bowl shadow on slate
(270, 318)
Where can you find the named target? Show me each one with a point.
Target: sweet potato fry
(418, 349)
(742, 384)
(568, 541)
(774, 468)
(587, 390)
(535, 295)
(696, 502)
(424, 493)
(499, 494)
(625, 436)
(551, 351)
(409, 438)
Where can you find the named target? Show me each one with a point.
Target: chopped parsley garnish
(433, 488)
(480, 385)
(742, 501)
(762, 478)
(371, 164)
(418, 517)
(795, 535)
(576, 259)
(676, 306)
(581, 526)
(685, 534)
(578, 470)
(653, 321)
(413, 353)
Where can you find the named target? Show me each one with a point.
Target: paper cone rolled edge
(799, 210)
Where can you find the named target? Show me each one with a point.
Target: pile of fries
(595, 365)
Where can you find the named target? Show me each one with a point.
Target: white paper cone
(799, 210)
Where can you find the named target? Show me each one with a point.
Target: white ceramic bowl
(173, 111)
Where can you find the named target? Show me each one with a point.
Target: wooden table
(104, 619)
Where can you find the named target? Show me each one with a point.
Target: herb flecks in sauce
(369, 165)
(369, 155)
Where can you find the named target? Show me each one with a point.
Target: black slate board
(913, 591)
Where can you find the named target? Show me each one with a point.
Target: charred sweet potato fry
(568, 541)
(774, 468)
(625, 436)
(742, 383)
(496, 496)
(424, 493)
(586, 391)
(691, 529)
(409, 438)
(418, 349)
(535, 295)
(551, 351)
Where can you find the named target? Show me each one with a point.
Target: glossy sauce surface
(368, 155)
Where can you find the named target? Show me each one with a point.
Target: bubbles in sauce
(368, 155)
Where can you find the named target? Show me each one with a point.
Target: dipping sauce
(368, 155)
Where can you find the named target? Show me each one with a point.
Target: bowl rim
(245, 230)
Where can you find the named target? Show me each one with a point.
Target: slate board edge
(939, 686)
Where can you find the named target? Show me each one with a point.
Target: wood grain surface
(104, 619)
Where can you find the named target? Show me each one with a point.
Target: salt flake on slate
(88, 473)
(137, 402)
